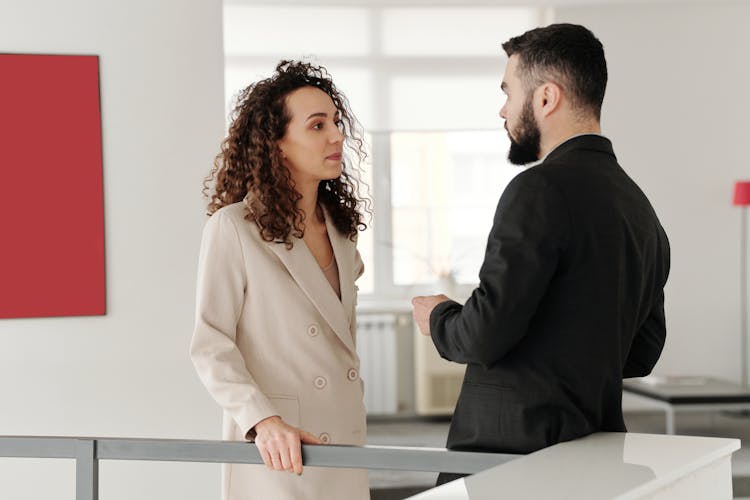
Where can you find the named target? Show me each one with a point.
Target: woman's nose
(337, 136)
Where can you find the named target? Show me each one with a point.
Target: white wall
(126, 373)
(676, 109)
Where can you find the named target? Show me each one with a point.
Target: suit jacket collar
(591, 142)
(304, 269)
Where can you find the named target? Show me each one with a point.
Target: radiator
(376, 347)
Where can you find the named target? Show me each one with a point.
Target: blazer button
(313, 330)
(352, 374)
(320, 382)
(324, 438)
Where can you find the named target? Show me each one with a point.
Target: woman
(274, 340)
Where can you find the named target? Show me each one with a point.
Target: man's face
(518, 113)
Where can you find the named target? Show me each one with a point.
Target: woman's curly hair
(250, 162)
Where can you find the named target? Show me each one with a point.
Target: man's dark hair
(568, 55)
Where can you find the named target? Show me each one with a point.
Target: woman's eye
(318, 126)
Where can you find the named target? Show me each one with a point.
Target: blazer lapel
(305, 270)
(343, 249)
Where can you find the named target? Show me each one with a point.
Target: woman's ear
(280, 148)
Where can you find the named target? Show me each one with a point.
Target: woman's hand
(279, 444)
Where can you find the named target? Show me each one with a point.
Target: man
(571, 292)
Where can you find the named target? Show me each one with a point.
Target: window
(427, 92)
(445, 186)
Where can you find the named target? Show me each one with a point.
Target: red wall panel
(51, 207)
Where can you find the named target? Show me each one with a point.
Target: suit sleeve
(529, 231)
(647, 343)
(221, 287)
(649, 339)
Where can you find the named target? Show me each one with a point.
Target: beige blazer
(272, 338)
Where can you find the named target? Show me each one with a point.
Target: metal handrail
(87, 451)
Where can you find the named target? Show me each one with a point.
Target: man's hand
(423, 306)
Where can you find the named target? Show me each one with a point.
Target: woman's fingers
(295, 454)
(277, 461)
(308, 438)
(271, 453)
(265, 455)
(286, 457)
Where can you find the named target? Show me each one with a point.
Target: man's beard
(526, 146)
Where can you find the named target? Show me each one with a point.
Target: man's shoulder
(535, 190)
(532, 178)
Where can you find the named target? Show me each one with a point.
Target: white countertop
(600, 466)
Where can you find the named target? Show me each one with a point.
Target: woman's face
(312, 145)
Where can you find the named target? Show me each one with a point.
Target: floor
(431, 432)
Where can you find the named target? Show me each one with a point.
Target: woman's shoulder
(235, 211)
(235, 215)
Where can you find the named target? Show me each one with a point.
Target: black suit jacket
(570, 300)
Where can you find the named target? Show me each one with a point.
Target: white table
(606, 466)
(688, 393)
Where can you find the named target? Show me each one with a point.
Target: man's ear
(549, 96)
